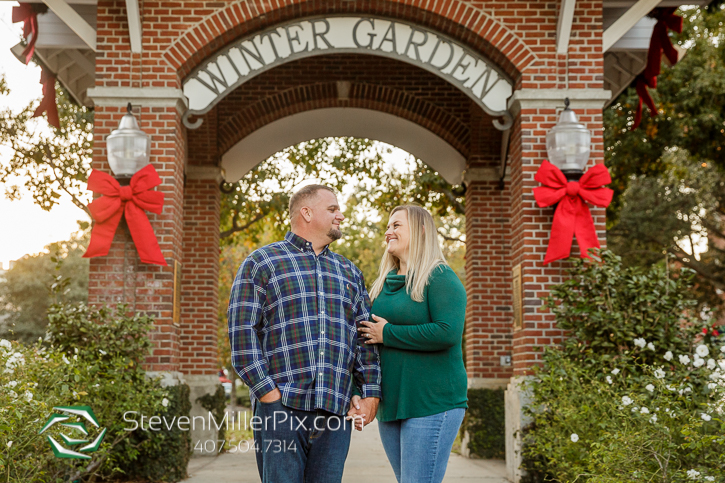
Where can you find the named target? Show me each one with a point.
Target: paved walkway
(365, 463)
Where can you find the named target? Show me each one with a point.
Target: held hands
(362, 411)
(373, 331)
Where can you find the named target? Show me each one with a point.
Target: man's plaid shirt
(293, 319)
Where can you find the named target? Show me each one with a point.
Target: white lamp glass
(129, 148)
(568, 143)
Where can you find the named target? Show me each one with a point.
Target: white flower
(722, 349)
(28, 396)
(711, 364)
(626, 400)
(705, 417)
(103, 353)
(684, 359)
(75, 357)
(65, 359)
(711, 385)
(709, 478)
(574, 438)
(640, 342)
(702, 350)
(615, 371)
(10, 443)
(653, 419)
(7, 345)
(651, 346)
(698, 362)
(692, 474)
(12, 394)
(12, 383)
(165, 402)
(670, 387)
(688, 389)
(650, 387)
(668, 355)
(659, 373)
(715, 376)
(644, 410)
(721, 363)
(609, 379)
(75, 349)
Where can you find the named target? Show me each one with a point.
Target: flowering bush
(637, 392)
(91, 357)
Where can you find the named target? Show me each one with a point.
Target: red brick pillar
(200, 272)
(488, 279)
(120, 277)
(536, 111)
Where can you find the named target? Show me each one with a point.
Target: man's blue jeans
(418, 448)
(294, 446)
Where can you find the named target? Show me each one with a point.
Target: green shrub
(624, 398)
(163, 455)
(485, 422)
(92, 357)
(216, 404)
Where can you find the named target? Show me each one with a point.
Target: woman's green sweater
(421, 354)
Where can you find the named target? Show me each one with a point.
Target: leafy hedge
(91, 357)
(485, 422)
(636, 393)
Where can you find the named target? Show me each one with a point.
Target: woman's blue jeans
(418, 448)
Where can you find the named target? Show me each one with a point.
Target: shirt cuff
(372, 390)
(263, 387)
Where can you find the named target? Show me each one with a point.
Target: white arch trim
(344, 122)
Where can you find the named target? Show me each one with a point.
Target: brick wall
(504, 228)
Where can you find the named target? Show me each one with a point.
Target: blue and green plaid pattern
(293, 319)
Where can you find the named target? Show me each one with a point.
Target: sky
(24, 227)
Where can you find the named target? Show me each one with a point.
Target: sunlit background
(24, 227)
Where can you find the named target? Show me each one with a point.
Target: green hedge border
(485, 422)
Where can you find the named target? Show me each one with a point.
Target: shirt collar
(301, 244)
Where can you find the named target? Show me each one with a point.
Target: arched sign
(429, 50)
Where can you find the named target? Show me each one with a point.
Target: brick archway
(505, 228)
(344, 81)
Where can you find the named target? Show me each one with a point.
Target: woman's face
(397, 235)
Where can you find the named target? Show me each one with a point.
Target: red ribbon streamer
(48, 104)
(27, 14)
(659, 43)
(572, 216)
(130, 200)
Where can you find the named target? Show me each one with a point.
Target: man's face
(326, 215)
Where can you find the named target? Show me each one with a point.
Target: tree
(668, 174)
(49, 161)
(26, 295)
(336, 162)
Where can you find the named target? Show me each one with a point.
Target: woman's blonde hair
(424, 254)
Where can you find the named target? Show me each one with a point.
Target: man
(293, 315)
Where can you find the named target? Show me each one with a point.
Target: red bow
(47, 78)
(27, 14)
(659, 43)
(130, 200)
(572, 216)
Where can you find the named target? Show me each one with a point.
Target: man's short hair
(302, 196)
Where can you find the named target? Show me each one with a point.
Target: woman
(419, 306)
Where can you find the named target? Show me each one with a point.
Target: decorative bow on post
(130, 200)
(572, 216)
